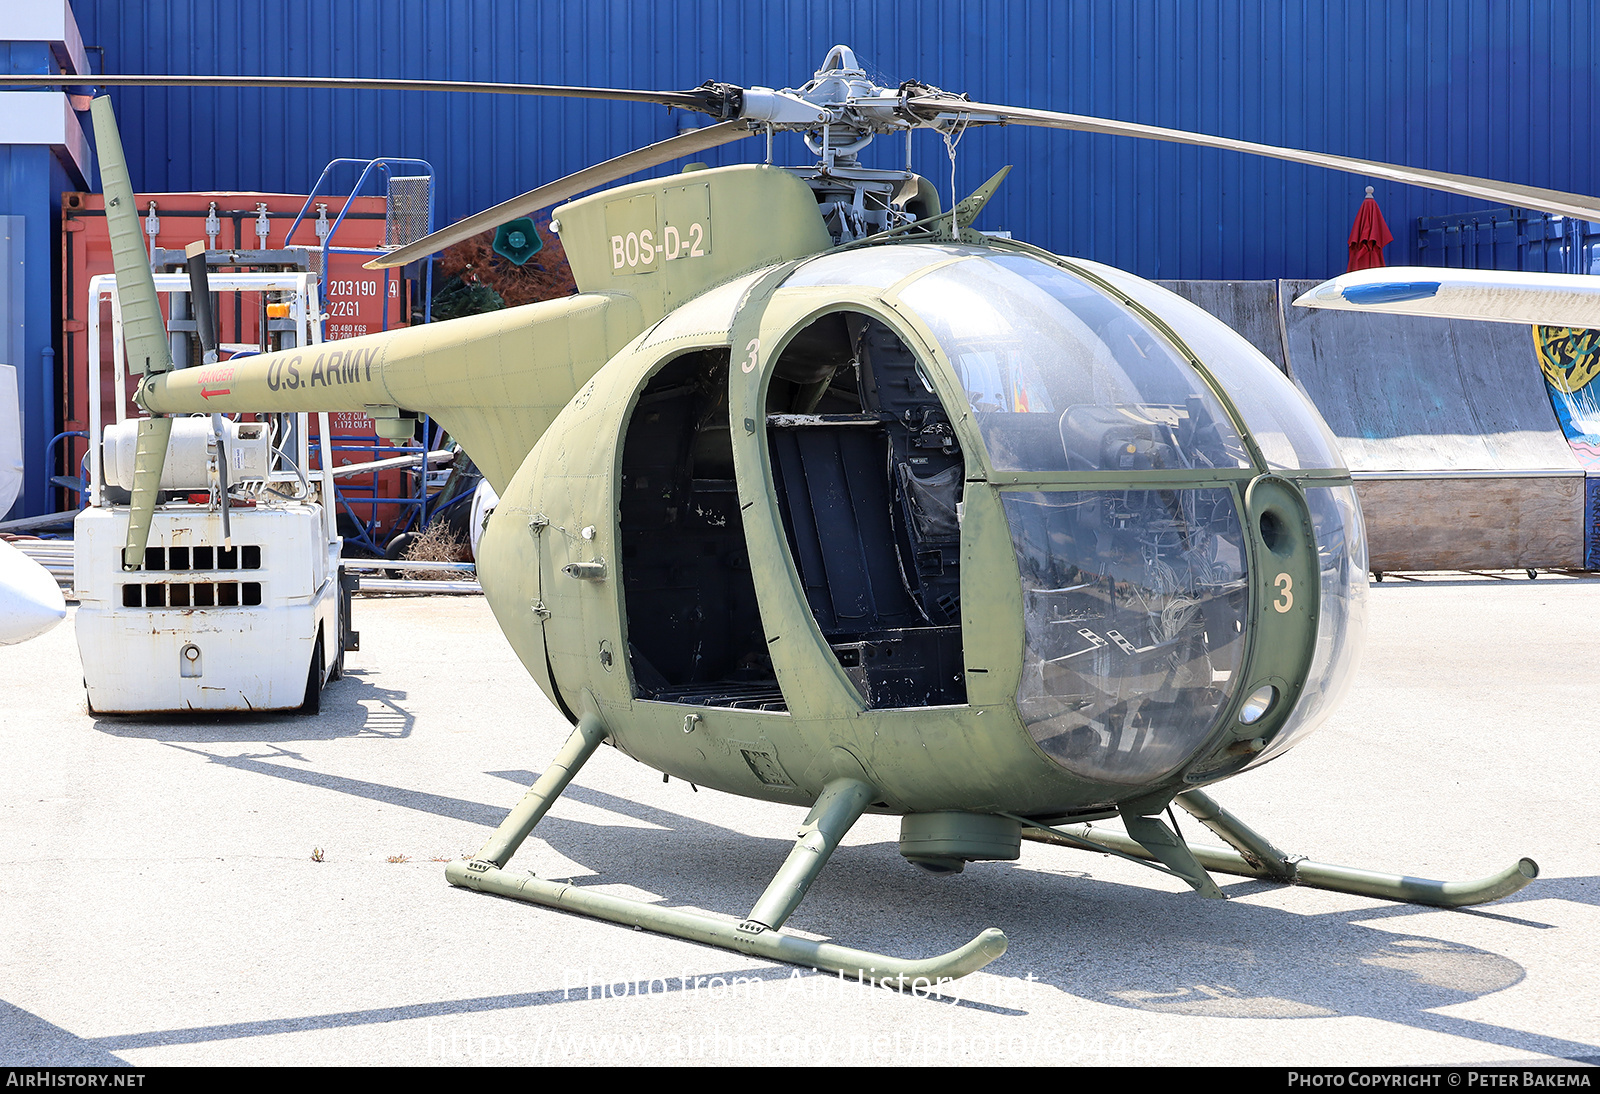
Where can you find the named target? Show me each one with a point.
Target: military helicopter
(816, 495)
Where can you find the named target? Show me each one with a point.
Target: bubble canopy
(1063, 374)
(1123, 476)
(1061, 377)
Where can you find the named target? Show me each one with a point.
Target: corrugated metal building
(1503, 88)
(43, 151)
(1489, 87)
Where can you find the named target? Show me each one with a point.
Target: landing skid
(838, 807)
(1253, 856)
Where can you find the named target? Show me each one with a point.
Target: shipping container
(355, 301)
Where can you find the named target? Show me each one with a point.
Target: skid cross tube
(1252, 845)
(1261, 860)
(586, 737)
(840, 804)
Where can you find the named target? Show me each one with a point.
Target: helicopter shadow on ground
(1160, 951)
(351, 707)
(1126, 945)
(26, 1039)
(705, 849)
(1173, 953)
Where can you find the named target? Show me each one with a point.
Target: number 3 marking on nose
(1285, 585)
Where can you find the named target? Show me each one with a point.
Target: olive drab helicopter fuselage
(814, 494)
(940, 509)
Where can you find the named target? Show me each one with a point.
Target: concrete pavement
(160, 902)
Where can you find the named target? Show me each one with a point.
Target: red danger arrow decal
(216, 374)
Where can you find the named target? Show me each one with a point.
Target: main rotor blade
(551, 193)
(1550, 201)
(701, 99)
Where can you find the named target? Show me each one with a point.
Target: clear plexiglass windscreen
(1134, 608)
(1285, 425)
(1061, 377)
(875, 267)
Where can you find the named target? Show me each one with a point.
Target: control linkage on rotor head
(722, 101)
(949, 103)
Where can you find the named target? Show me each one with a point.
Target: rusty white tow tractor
(241, 604)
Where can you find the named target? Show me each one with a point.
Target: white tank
(249, 446)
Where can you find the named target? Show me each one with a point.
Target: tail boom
(495, 381)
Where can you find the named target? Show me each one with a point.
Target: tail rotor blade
(143, 327)
(1559, 202)
(149, 459)
(142, 324)
(551, 193)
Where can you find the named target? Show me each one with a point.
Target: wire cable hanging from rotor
(952, 136)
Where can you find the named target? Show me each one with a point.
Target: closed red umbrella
(1368, 237)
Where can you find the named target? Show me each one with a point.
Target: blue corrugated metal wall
(1494, 87)
(31, 182)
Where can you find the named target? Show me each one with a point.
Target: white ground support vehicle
(240, 608)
